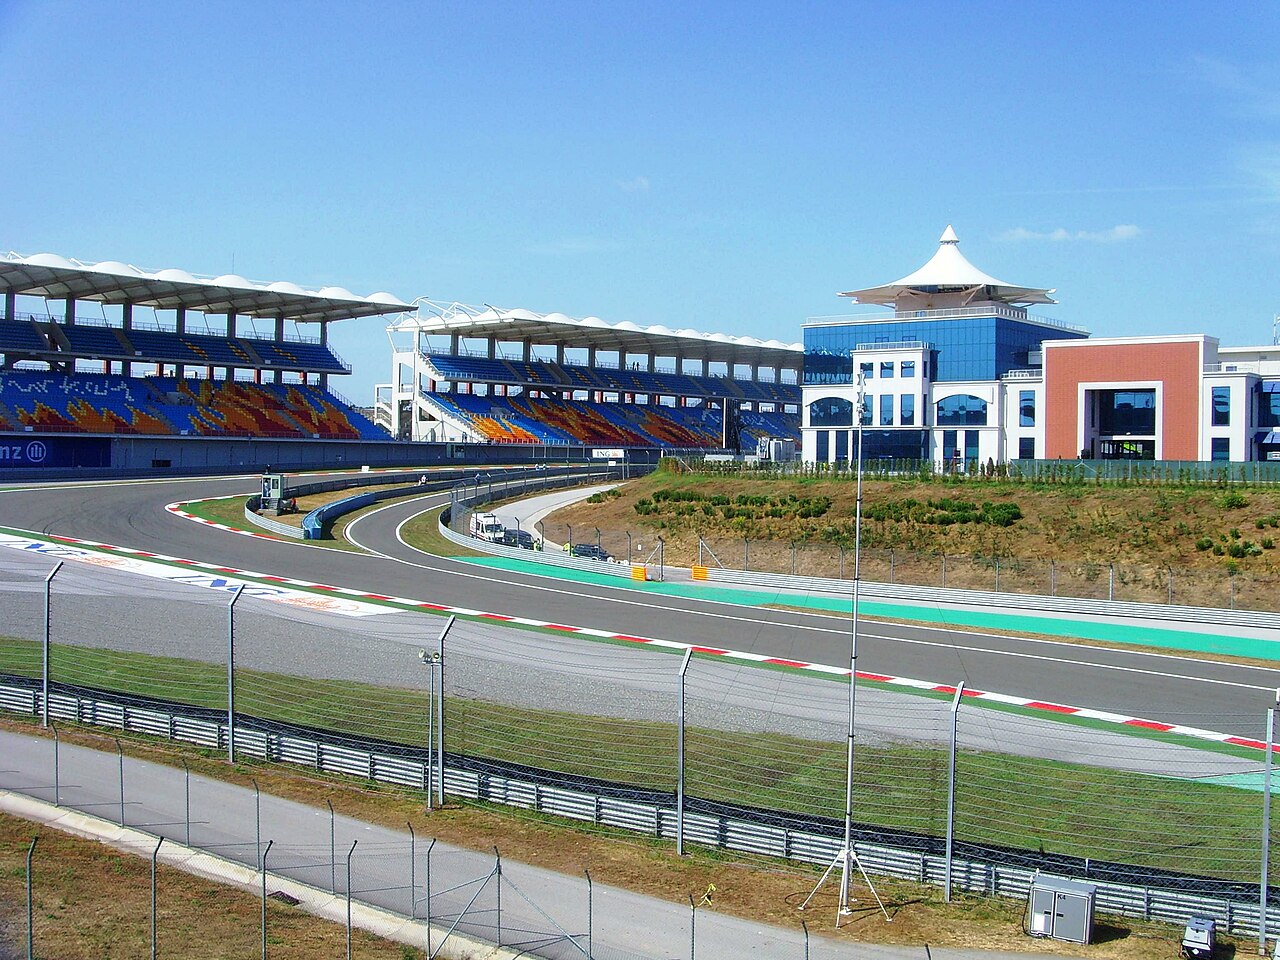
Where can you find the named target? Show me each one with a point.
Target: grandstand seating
(81, 403)
(192, 349)
(99, 403)
(21, 336)
(296, 355)
(573, 377)
(529, 420)
(94, 341)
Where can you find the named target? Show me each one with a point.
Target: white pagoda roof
(949, 272)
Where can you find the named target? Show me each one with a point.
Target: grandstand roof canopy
(55, 278)
(949, 271)
(555, 328)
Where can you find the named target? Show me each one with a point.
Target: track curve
(1176, 689)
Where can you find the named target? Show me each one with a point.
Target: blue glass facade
(964, 348)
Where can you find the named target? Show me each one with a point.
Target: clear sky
(726, 167)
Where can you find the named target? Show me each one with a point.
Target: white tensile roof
(550, 328)
(54, 278)
(949, 272)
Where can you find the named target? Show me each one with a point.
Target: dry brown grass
(764, 890)
(92, 901)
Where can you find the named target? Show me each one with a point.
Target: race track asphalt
(1224, 696)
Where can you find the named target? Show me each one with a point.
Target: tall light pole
(847, 857)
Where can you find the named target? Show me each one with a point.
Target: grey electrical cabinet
(1061, 908)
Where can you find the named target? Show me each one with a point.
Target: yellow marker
(639, 573)
(698, 573)
(706, 897)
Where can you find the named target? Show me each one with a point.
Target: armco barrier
(1233, 905)
(872, 590)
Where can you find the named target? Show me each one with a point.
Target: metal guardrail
(251, 507)
(622, 808)
(934, 595)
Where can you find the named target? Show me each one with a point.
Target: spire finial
(948, 236)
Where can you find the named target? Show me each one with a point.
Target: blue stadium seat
(21, 336)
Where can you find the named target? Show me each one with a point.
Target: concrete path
(539, 913)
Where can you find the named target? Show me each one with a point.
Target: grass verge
(1005, 799)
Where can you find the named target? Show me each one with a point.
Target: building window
(868, 370)
(907, 411)
(908, 369)
(1269, 406)
(842, 445)
(886, 369)
(1026, 408)
(886, 409)
(949, 449)
(962, 411)
(831, 412)
(822, 450)
(1221, 408)
(1221, 449)
(1127, 413)
(1026, 448)
(867, 400)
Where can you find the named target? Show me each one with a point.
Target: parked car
(517, 538)
(589, 551)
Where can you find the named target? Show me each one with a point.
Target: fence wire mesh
(562, 711)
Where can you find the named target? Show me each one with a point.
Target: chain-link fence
(763, 743)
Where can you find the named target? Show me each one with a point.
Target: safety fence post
(44, 647)
(120, 757)
(497, 872)
(413, 886)
(263, 870)
(951, 788)
(333, 850)
(349, 853)
(257, 822)
(684, 667)
(693, 928)
(430, 847)
(1266, 829)
(154, 854)
(231, 673)
(57, 766)
(30, 922)
(590, 915)
(186, 777)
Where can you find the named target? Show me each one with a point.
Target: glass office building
(962, 347)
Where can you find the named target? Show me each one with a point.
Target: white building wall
(1239, 429)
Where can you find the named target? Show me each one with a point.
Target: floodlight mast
(845, 879)
(847, 857)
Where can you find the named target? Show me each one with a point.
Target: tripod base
(845, 858)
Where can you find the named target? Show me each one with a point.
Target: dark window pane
(962, 411)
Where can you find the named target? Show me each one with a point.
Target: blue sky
(726, 167)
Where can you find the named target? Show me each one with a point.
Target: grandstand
(479, 374)
(145, 368)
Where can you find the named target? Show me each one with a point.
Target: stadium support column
(528, 351)
(126, 324)
(11, 304)
(491, 347)
(324, 342)
(591, 356)
(277, 376)
(653, 359)
(70, 313)
(560, 354)
(180, 320)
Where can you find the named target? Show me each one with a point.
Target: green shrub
(1204, 543)
(1233, 500)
